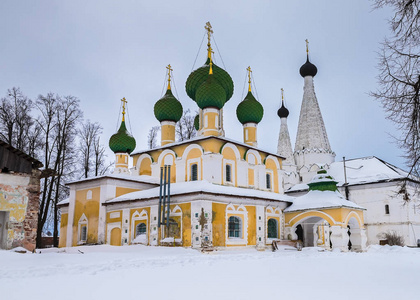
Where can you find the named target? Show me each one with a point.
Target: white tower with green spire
(312, 148)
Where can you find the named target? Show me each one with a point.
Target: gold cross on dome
(307, 46)
(124, 102)
(282, 97)
(209, 32)
(249, 78)
(169, 68)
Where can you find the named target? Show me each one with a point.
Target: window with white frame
(235, 227)
(83, 229)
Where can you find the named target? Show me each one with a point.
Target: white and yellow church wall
(186, 210)
(249, 167)
(334, 222)
(85, 209)
(399, 216)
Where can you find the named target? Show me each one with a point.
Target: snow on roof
(138, 178)
(319, 200)
(360, 171)
(365, 170)
(199, 138)
(203, 186)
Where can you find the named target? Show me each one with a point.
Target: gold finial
(123, 112)
(249, 78)
(209, 32)
(211, 67)
(307, 46)
(282, 96)
(169, 76)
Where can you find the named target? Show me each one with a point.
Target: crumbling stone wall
(19, 195)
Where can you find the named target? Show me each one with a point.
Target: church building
(215, 192)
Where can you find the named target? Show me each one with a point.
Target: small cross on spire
(209, 33)
(249, 78)
(124, 102)
(169, 68)
(307, 46)
(282, 95)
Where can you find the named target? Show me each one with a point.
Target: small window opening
(268, 181)
(194, 172)
(386, 209)
(83, 234)
(228, 173)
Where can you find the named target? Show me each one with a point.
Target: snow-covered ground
(141, 272)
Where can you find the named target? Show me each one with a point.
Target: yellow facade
(335, 216)
(219, 224)
(90, 208)
(167, 133)
(211, 122)
(63, 230)
(250, 134)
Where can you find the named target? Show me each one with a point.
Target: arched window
(228, 173)
(140, 229)
(234, 227)
(194, 172)
(386, 209)
(268, 181)
(272, 229)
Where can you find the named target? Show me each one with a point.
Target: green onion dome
(210, 94)
(197, 77)
(249, 110)
(122, 141)
(168, 108)
(197, 122)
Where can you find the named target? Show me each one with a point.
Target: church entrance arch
(313, 232)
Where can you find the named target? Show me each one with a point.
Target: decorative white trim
(139, 161)
(191, 162)
(232, 172)
(162, 156)
(310, 216)
(83, 221)
(273, 212)
(89, 195)
(139, 217)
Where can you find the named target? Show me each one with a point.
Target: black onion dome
(308, 69)
(283, 112)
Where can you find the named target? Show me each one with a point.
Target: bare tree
(152, 137)
(58, 121)
(399, 77)
(99, 162)
(17, 127)
(185, 129)
(88, 134)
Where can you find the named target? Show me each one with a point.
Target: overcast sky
(101, 51)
